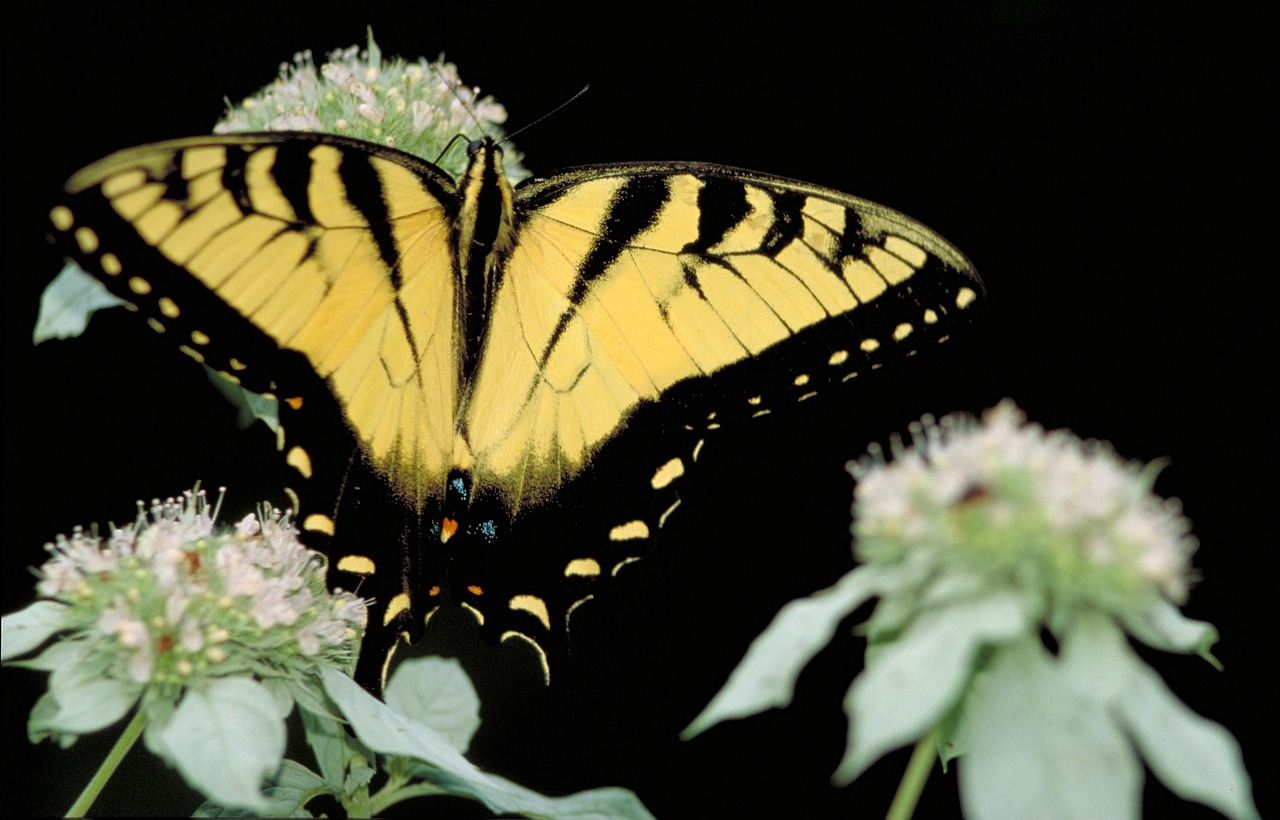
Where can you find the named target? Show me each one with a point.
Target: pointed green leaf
(328, 742)
(1196, 758)
(1163, 626)
(250, 406)
(766, 676)
(389, 732)
(66, 652)
(25, 630)
(67, 303)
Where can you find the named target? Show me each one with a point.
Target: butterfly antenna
(461, 100)
(512, 135)
(452, 141)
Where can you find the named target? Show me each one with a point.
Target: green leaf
(911, 683)
(25, 630)
(308, 694)
(437, 693)
(67, 303)
(389, 732)
(225, 739)
(1196, 758)
(766, 676)
(1037, 748)
(250, 406)
(1163, 626)
(65, 652)
(281, 692)
(328, 742)
(286, 797)
(87, 700)
(38, 721)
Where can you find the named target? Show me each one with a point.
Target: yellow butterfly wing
(333, 249)
(628, 280)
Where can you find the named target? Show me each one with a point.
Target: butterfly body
(457, 361)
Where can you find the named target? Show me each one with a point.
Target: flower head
(166, 601)
(1004, 501)
(420, 107)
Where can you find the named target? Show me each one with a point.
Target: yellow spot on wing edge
(357, 565)
(532, 604)
(299, 460)
(110, 264)
(629, 531)
(398, 604)
(618, 566)
(542, 654)
(86, 239)
(902, 331)
(966, 297)
(62, 218)
(574, 606)
(199, 338)
(318, 523)
(477, 614)
(586, 567)
(667, 473)
(386, 663)
(662, 519)
(838, 358)
(139, 285)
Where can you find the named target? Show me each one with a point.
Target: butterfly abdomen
(484, 231)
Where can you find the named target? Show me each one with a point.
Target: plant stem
(913, 779)
(109, 766)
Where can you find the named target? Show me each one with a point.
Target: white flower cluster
(418, 107)
(169, 599)
(1010, 501)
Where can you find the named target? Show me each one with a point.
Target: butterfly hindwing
(455, 381)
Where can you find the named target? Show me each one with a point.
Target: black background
(1092, 160)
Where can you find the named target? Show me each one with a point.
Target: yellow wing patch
(313, 269)
(588, 325)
